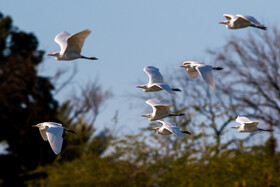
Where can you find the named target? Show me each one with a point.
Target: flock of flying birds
(71, 46)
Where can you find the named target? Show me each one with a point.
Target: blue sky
(127, 35)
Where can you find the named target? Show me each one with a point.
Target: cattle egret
(247, 125)
(52, 132)
(156, 82)
(71, 45)
(169, 128)
(193, 68)
(160, 110)
(241, 21)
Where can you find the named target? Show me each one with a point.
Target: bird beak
(223, 22)
(139, 86)
(182, 66)
(154, 129)
(35, 125)
(145, 116)
(51, 54)
(235, 127)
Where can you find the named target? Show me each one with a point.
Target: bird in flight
(169, 128)
(241, 21)
(52, 132)
(247, 125)
(205, 71)
(71, 45)
(160, 110)
(156, 82)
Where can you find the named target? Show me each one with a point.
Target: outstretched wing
(61, 39)
(54, 135)
(166, 87)
(250, 19)
(43, 134)
(228, 16)
(159, 106)
(76, 41)
(206, 73)
(172, 128)
(154, 74)
(246, 121)
(156, 102)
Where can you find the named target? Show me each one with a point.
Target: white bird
(169, 128)
(241, 21)
(71, 45)
(156, 82)
(205, 71)
(52, 132)
(247, 125)
(160, 110)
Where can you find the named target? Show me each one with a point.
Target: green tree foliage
(26, 99)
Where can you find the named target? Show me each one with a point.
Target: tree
(26, 99)
(252, 74)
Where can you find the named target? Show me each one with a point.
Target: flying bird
(156, 82)
(160, 110)
(241, 21)
(169, 128)
(52, 132)
(205, 71)
(247, 125)
(71, 45)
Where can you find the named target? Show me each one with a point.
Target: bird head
(142, 86)
(55, 54)
(146, 115)
(235, 127)
(38, 125)
(186, 64)
(156, 128)
(224, 22)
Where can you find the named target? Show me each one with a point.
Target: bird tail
(176, 89)
(89, 58)
(259, 27)
(186, 132)
(69, 130)
(217, 68)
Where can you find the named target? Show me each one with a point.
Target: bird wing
(228, 16)
(76, 41)
(172, 128)
(242, 119)
(43, 134)
(242, 19)
(248, 19)
(154, 74)
(161, 109)
(206, 73)
(246, 121)
(155, 101)
(251, 124)
(192, 73)
(166, 87)
(54, 135)
(61, 39)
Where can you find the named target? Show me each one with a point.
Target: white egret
(241, 21)
(52, 132)
(193, 68)
(156, 82)
(169, 128)
(247, 125)
(160, 110)
(71, 45)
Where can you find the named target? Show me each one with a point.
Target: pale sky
(128, 35)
